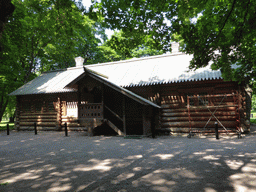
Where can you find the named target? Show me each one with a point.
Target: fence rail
(91, 110)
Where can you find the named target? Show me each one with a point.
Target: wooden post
(59, 115)
(146, 122)
(216, 130)
(93, 124)
(8, 131)
(153, 124)
(102, 99)
(124, 121)
(79, 102)
(17, 121)
(35, 128)
(66, 129)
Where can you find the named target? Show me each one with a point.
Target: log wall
(182, 110)
(47, 111)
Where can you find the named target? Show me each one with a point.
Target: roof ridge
(135, 59)
(54, 71)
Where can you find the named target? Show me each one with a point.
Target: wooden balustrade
(91, 110)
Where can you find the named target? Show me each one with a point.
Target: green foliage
(253, 121)
(43, 35)
(222, 32)
(254, 102)
(3, 125)
(128, 46)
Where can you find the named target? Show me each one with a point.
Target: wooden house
(134, 97)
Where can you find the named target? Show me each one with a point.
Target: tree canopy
(44, 35)
(217, 32)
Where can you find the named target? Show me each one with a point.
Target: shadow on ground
(51, 162)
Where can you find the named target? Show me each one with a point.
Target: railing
(91, 110)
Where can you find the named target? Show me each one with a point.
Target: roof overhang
(101, 79)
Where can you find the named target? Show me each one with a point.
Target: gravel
(51, 162)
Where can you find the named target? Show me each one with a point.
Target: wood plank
(49, 124)
(116, 115)
(187, 130)
(197, 109)
(212, 107)
(199, 124)
(38, 117)
(119, 132)
(199, 118)
(38, 120)
(185, 114)
(38, 113)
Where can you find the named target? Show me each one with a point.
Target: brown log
(45, 124)
(39, 117)
(40, 128)
(38, 120)
(71, 124)
(197, 109)
(177, 119)
(167, 106)
(37, 113)
(199, 130)
(69, 121)
(69, 118)
(223, 103)
(211, 107)
(198, 124)
(185, 114)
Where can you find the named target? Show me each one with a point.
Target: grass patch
(3, 125)
(253, 120)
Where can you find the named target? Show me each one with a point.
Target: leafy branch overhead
(43, 35)
(217, 32)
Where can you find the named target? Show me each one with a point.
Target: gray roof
(122, 90)
(50, 82)
(168, 68)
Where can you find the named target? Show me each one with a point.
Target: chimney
(175, 47)
(79, 61)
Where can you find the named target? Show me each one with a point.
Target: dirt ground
(52, 162)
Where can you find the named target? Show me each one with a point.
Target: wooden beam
(117, 116)
(124, 120)
(17, 124)
(79, 101)
(115, 128)
(102, 99)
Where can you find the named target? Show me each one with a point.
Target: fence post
(35, 128)
(216, 130)
(66, 129)
(8, 131)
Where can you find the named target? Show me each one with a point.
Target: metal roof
(168, 68)
(50, 82)
(122, 90)
(161, 69)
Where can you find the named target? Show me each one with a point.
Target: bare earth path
(51, 162)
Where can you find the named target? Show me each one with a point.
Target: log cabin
(139, 96)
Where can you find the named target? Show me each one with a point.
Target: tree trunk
(3, 105)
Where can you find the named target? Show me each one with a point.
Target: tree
(129, 46)
(6, 9)
(40, 35)
(254, 102)
(218, 31)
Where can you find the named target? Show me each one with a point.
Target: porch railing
(91, 110)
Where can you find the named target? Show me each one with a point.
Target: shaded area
(51, 162)
(104, 129)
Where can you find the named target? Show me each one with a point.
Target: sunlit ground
(51, 162)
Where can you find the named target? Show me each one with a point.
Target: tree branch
(233, 5)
